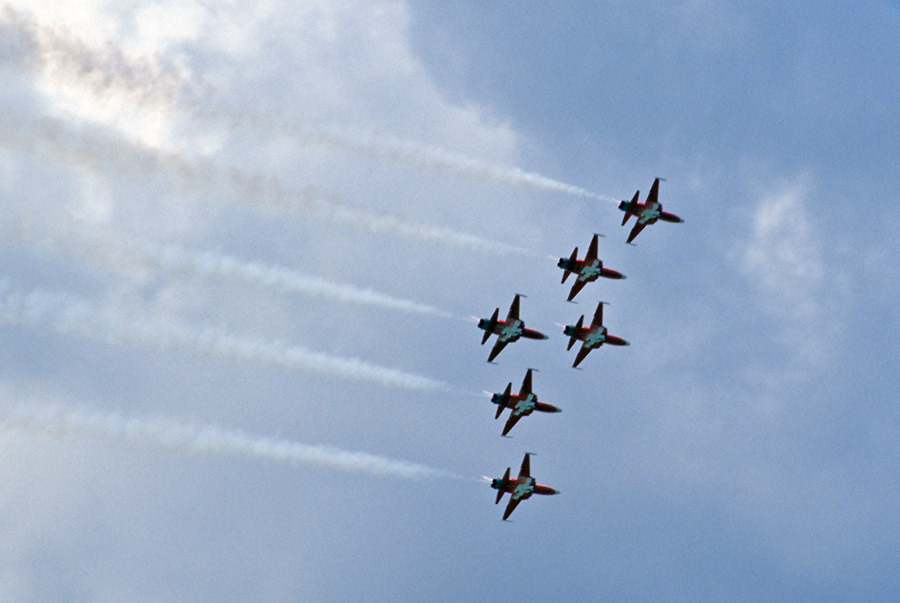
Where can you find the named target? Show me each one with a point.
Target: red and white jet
(593, 336)
(589, 269)
(519, 488)
(507, 330)
(522, 404)
(647, 212)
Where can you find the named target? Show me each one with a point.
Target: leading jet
(593, 336)
(587, 270)
(522, 404)
(520, 488)
(507, 330)
(647, 212)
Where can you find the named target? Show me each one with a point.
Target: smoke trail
(215, 266)
(153, 81)
(207, 439)
(71, 315)
(94, 150)
(383, 147)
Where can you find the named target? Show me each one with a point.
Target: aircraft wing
(582, 354)
(598, 316)
(525, 471)
(514, 309)
(498, 347)
(592, 251)
(510, 507)
(526, 385)
(510, 422)
(638, 227)
(654, 192)
(577, 286)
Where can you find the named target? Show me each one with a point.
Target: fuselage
(588, 272)
(522, 487)
(593, 337)
(523, 406)
(648, 213)
(510, 330)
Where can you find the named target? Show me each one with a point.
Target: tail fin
(574, 336)
(502, 407)
(572, 260)
(631, 206)
(503, 483)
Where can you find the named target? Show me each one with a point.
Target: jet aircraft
(522, 404)
(647, 212)
(507, 330)
(593, 336)
(519, 488)
(587, 270)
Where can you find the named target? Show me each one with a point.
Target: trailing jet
(520, 488)
(647, 212)
(588, 269)
(593, 336)
(522, 404)
(507, 330)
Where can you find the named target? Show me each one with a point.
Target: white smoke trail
(212, 265)
(66, 314)
(383, 147)
(96, 151)
(153, 81)
(206, 439)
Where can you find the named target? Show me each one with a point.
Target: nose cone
(562, 263)
(626, 343)
(557, 409)
(623, 205)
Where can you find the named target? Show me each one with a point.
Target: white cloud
(782, 256)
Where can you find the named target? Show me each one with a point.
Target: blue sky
(742, 448)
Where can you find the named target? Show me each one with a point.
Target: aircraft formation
(585, 270)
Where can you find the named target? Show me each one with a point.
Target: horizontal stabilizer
(503, 483)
